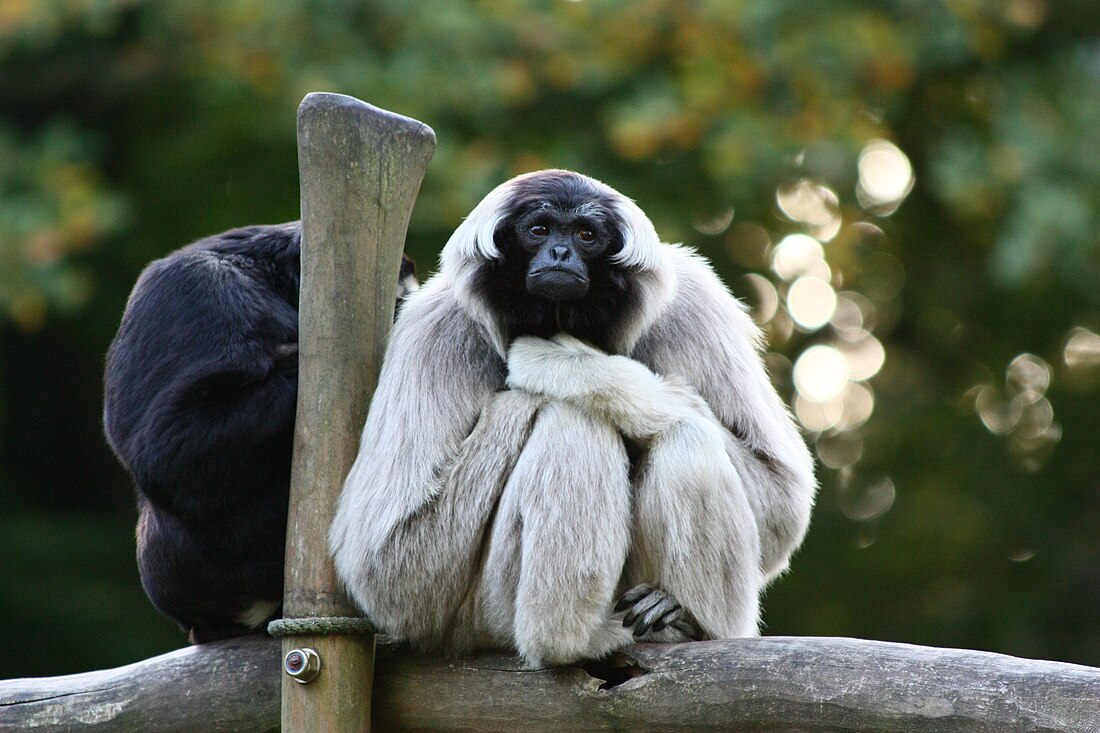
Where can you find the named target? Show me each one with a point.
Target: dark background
(947, 155)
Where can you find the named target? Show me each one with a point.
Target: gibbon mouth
(557, 284)
(557, 272)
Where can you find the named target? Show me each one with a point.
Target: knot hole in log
(614, 670)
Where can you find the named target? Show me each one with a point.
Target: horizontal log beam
(767, 684)
(230, 685)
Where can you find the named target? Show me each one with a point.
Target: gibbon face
(557, 270)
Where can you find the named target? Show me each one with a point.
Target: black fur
(611, 294)
(200, 393)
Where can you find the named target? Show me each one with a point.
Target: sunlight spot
(816, 416)
(764, 298)
(869, 502)
(997, 414)
(885, 176)
(1020, 554)
(715, 225)
(796, 255)
(812, 204)
(853, 311)
(859, 403)
(821, 373)
(840, 449)
(1028, 373)
(864, 352)
(811, 302)
(1036, 416)
(847, 315)
(1082, 349)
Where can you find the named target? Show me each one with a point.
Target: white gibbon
(573, 444)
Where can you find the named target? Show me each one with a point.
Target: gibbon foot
(649, 608)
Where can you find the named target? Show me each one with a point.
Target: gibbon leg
(694, 532)
(421, 578)
(560, 540)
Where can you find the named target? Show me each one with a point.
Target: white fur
(573, 474)
(258, 613)
(478, 516)
(707, 339)
(406, 286)
(688, 494)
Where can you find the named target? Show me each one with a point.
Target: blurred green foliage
(946, 155)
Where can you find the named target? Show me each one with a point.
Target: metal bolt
(302, 664)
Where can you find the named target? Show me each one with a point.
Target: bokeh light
(868, 501)
(714, 225)
(840, 449)
(999, 415)
(885, 176)
(859, 403)
(853, 311)
(818, 417)
(811, 302)
(831, 397)
(821, 373)
(1028, 373)
(864, 353)
(797, 255)
(1020, 410)
(1082, 349)
(764, 298)
(812, 204)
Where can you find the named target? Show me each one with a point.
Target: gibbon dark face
(557, 271)
(559, 242)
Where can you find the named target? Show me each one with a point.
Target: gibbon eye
(586, 235)
(539, 230)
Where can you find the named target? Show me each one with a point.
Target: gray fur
(493, 504)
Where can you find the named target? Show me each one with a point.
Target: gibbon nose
(559, 253)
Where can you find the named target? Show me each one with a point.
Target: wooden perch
(766, 684)
(230, 685)
(360, 169)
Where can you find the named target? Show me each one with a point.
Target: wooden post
(360, 170)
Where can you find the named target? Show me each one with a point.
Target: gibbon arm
(695, 534)
(707, 339)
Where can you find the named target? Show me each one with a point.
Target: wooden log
(230, 685)
(767, 684)
(360, 169)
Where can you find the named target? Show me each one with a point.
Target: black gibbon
(200, 391)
